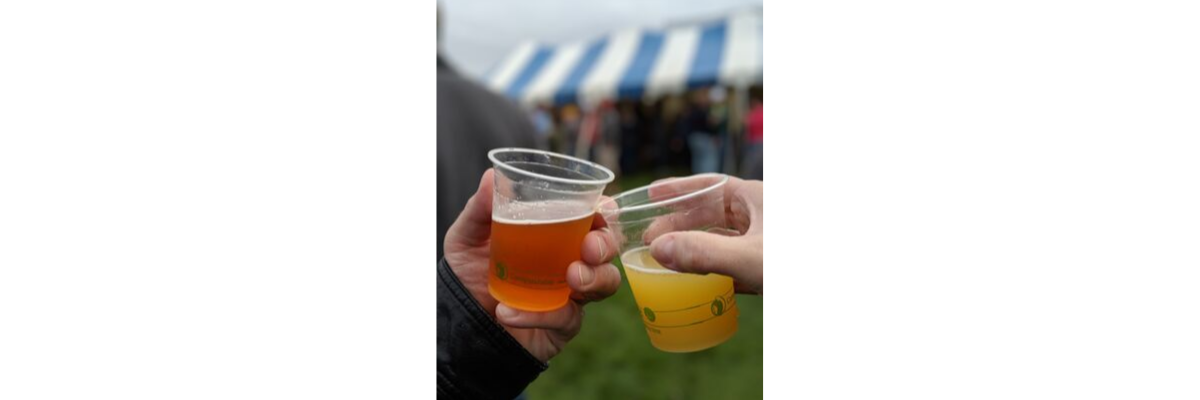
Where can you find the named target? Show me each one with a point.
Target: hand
(543, 334)
(738, 255)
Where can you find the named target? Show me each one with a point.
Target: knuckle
(689, 254)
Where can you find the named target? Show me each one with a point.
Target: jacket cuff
(477, 358)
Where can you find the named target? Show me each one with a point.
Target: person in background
(673, 132)
(659, 130)
(543, 125)
(631, 145)
(718, 121)
(701, 138)
(609, 142)
(558, 136)
(753, 165)
(486, 350)
(471, 120)
(587, 142)
(571, 122)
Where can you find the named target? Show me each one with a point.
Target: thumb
(702, 253)
(474, 224)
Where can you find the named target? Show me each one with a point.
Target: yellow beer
(681, 312)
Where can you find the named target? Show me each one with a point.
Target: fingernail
(505, 312)
(664, 252)
(603, 250)
(586, 276)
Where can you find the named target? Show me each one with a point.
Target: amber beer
(542, 207)
(530, 259)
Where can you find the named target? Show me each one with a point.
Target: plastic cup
(542, 207)
(682, 312)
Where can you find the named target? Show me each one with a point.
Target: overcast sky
(478, 33)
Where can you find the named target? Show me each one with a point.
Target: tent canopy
(635, 63)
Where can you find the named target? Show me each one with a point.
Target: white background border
(217, 200)
(983, 200)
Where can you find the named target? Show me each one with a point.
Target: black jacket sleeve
(476, 357)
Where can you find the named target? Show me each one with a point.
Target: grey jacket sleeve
(476, 357)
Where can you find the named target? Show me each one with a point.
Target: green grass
(612, 357)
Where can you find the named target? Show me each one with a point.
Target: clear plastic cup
(682, 312)
(543, 205)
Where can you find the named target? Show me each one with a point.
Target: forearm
(477, 358)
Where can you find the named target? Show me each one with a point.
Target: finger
(733, 185)
(598, 221)
(668, 188)
(474, 223)
(613, 236)
(598, 247)
(565, 319)
(663, 225)
(743, 203)
(702, 252)
(609, 214)
(592, 283)
(699, 210)
(723, 232)
(703, 217)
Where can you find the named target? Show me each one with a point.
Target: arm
(486, 349)
(476, 357)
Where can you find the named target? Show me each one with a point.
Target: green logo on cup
(717, 307)
(501, 271)
(649, 313)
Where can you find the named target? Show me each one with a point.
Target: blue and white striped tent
(635, 63)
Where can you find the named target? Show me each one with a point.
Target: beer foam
(634, 259)
(541, 212)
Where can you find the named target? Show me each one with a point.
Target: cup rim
(718, 185)
(500, 164)
(639, 268)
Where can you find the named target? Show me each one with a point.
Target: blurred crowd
(704, 130)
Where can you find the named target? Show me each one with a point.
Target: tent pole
(588, 128)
